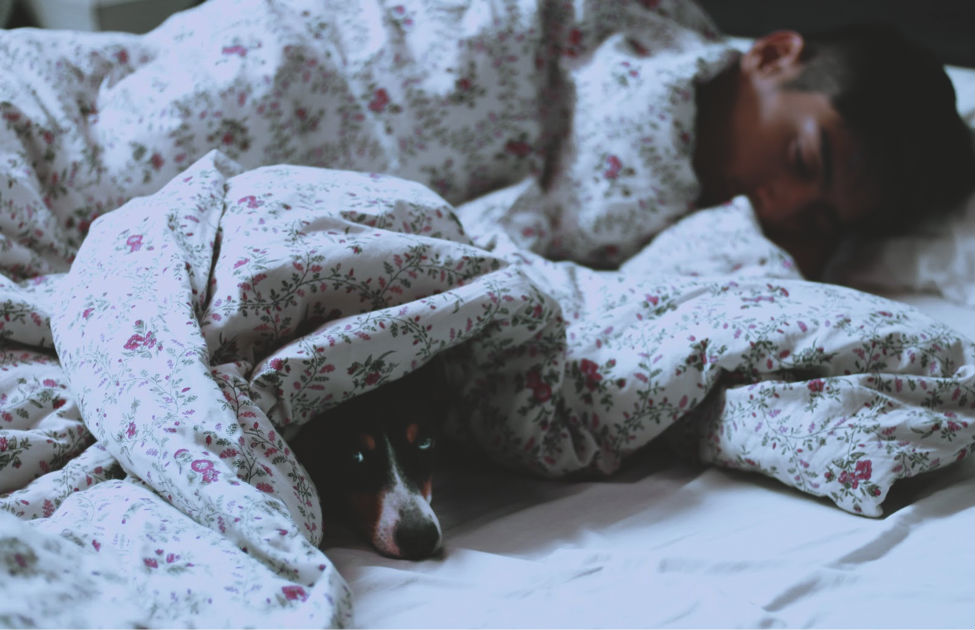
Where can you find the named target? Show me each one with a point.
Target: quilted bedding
(156, 358)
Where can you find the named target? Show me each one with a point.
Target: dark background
(945, 26)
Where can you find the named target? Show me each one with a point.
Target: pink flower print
(372, 378)
(250, 201)
(863, 470)
(3, 444)
(816, 386)
(205, 468)
(294, 592)
(613, 167)
(591, 372)
(236, 49)
(464, 84)
(134, 242)
(157, 161)
(380, 99)
(542, 392)
(122, 56)
(137, 341)
(151, 563)
(130, 430)
(574, 43)
(518, 148)
(265, 487)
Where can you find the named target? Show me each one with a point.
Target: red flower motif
(613, 167)
(591, 371)
(294, 592)
(380, 99)
(863, 470)
(542, 392)
(816, 386)
(518, 148)
(205, 468)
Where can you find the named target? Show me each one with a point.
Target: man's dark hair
(895, 96)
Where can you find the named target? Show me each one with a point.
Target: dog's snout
(417, 538)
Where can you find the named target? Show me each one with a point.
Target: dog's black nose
(417, 540)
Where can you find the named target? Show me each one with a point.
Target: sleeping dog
(371, 459)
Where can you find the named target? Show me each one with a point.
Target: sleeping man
(854, 131)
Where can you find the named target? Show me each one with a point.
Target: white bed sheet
(669, 543)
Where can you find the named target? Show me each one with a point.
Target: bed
(216, 231)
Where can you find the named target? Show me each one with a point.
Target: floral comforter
(155, 359)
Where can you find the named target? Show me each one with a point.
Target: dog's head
(372, 461)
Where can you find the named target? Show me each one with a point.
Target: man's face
(791, 154)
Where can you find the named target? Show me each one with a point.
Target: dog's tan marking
(367, 441)
(412, 431)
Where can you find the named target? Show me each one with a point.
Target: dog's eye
(424, 443)
(358, 457)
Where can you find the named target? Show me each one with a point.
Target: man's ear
(773, 55)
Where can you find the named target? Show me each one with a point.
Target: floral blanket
(155, 359)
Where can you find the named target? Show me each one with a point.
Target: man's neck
(714, 99)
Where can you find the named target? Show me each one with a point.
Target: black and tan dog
(372, 459)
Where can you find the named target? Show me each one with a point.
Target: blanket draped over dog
(153, 359)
